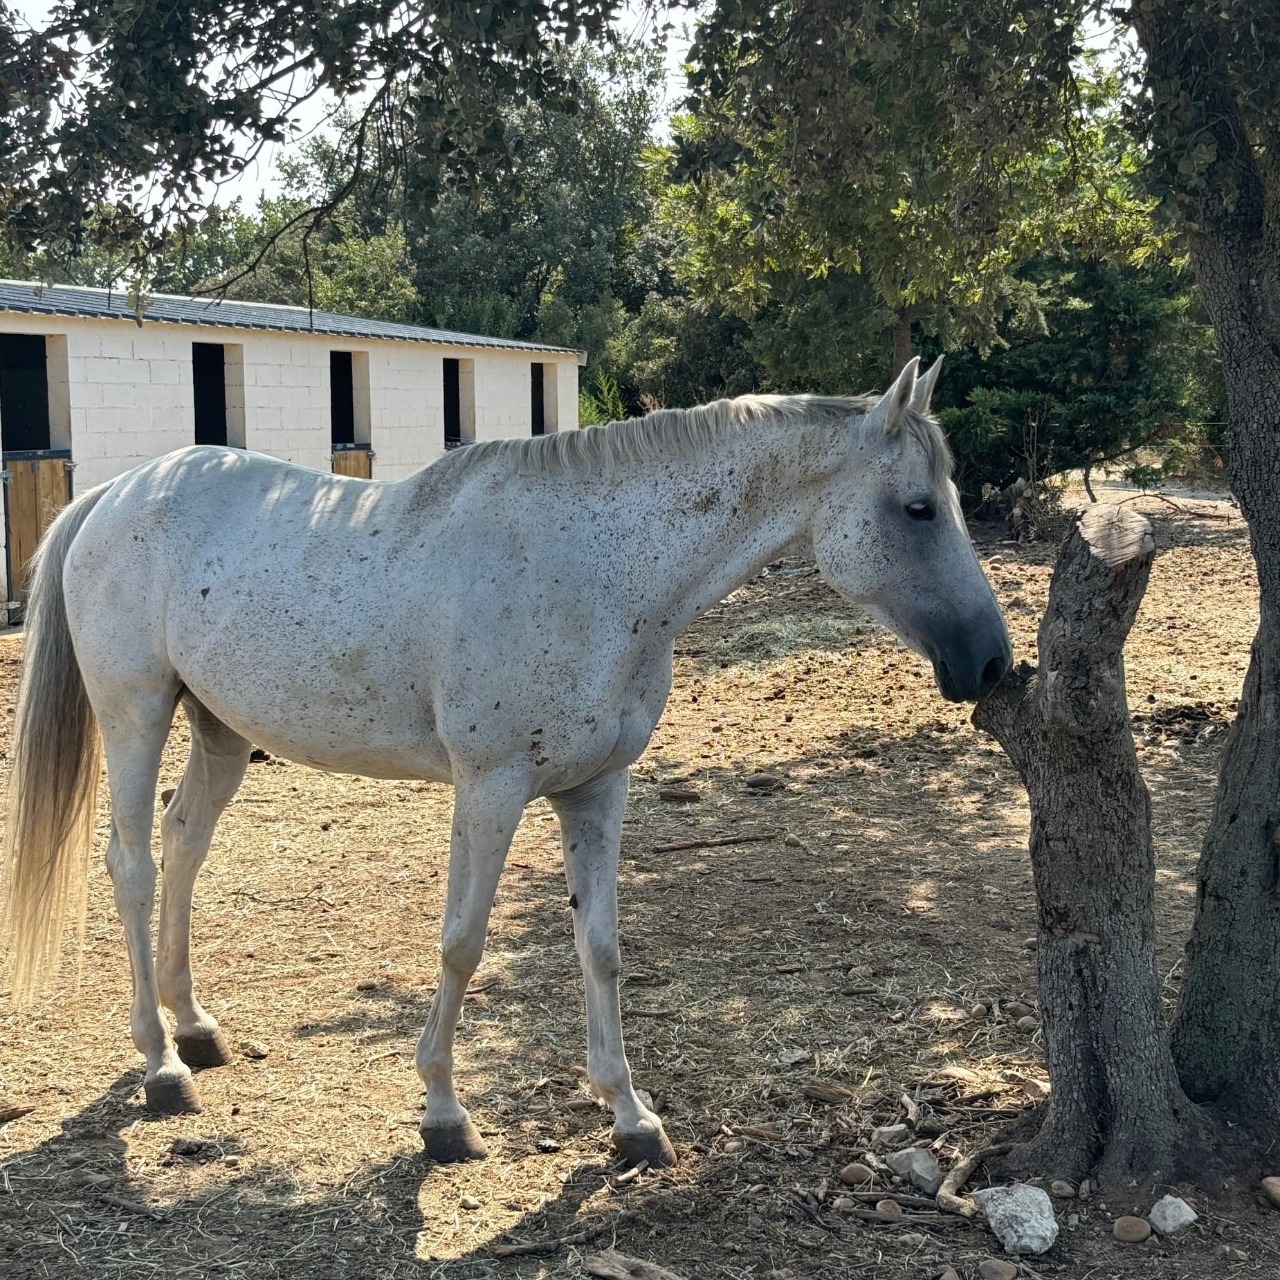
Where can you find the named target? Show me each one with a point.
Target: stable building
(89, 388)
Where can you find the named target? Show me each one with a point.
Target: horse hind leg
(133, 735)
(215, 769)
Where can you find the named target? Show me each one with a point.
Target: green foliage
(601, 405)
(116, 103)
(1109, 367)
(890, 141)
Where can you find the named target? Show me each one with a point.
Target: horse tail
(53, 785)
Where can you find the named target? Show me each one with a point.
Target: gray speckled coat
(503, 621)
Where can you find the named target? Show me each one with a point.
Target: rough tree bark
(901, 336)
(1227, 1034)
(1115, 1106)
(1226, 1038)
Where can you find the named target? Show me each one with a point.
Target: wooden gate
(353, 460)
(37, 487)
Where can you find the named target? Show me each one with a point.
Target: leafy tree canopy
(144, 106)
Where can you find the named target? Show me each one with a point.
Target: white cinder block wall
(127, 395)
(128, 392)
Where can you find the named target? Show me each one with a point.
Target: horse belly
(314, 693)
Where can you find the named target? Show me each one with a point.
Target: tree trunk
(1226, 1038)
(902, 350)
(1115, 1103)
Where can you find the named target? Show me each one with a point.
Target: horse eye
(920, 510)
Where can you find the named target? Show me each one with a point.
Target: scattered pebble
(1021, 1217)
(889, 1209)
(1073, 1219)
(997, 1269)
(581, 1104)
(469, 1202)
(367, 984)
(917, 1166)
(1271, 1189)
(1016, 1009)
(1027, 1023)
(1232, 1254)
(856, 1175)
(912, 1239)
(947, 1273)
(1030, 944)
(254, 1049)
(232, 1162)
(734, 1144)
(896, 1001)
(763, 781)
(1130, 1230)
(1060, 1189)
(679, 795)
(979, 1011)
(189, 1146)
(1170, 1214)
(793, 840)
(843, 1204)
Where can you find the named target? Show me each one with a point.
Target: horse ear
(923, 393)
(888, 411)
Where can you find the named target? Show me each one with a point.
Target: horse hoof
(653, 1148)
(450, 1144)
(175, 1096)
(203, 1051)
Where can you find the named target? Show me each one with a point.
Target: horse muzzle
(972, 664)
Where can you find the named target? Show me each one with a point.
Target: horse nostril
(992, 674)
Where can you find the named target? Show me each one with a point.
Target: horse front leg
(486, 812)
(591, 831)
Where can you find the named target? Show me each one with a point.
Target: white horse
(503, 620)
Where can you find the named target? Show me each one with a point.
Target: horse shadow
(81, 1203)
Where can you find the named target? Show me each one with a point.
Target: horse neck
(706, 523)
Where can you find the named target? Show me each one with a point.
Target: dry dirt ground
(782, 992)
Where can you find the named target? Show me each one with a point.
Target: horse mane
(681, 433)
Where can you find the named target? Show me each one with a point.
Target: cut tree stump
(1115, 1103)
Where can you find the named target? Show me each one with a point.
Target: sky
(261, 176)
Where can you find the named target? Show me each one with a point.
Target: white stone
(1170, 1214)
(1021, 1217)
(918, 1167)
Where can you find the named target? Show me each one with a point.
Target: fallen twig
(13, 1111)
(813, 1213)
(631, 1174)
(719, 843)
(532, 1248)
(612, 1265)
(949, 1198)
(907, 1219)
(903, 1198)
(131, 1206)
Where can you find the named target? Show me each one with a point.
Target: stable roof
(167, 308)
